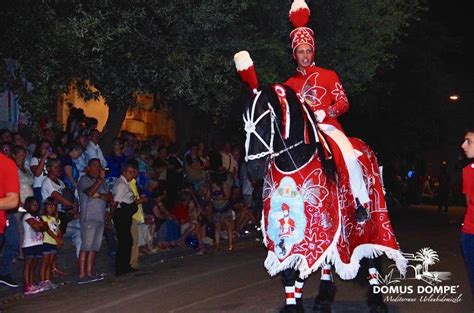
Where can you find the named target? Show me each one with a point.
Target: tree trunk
(112, 127)
(183, 124)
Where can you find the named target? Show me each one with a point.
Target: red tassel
(249, 76)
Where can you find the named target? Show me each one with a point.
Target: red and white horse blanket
(308, 220)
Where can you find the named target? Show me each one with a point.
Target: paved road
(237, 282)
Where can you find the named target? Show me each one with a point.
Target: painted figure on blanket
(287, 224)
(285, 136)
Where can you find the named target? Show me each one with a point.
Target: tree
(183, 48)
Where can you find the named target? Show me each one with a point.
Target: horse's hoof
(321, 307)
(299, 306)
(327, 292)
(288, 309)
(379, 308)
(361, 215)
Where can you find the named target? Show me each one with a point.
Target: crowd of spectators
(141, 198)
(426, 183)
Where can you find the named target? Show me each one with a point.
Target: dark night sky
(458, 17)
(418, 110)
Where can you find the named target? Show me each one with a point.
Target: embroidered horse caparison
(308, 219)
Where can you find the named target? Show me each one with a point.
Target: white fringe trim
(262, 229)
(346, 271)
(242, 60)
(349, 270)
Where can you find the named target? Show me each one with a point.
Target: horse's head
(277, 125)
(259, 124)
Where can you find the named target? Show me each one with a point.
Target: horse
(308, 217)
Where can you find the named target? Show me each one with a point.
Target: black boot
(361, 214)
(375, 302)
(325, 298)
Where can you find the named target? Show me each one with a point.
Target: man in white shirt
(93, 150)
(123, 207)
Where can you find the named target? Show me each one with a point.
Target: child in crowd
(193, 213)
(181, 212)
(202, 198)
(161, 215)
(221, 212)
(242, 212)
(32, 245)
(51, 241)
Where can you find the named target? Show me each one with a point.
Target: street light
(454, 97)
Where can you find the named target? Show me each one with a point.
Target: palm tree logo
(428, 257)
(419, 264)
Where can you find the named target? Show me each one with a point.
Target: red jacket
(468, 190)
(322, 90)
(8, 183)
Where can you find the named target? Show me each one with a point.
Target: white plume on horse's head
(246, 69)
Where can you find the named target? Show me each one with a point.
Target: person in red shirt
(9, 199)
(467, 232)
(9, 188)
(323, 93)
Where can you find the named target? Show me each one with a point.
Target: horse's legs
(375, 300)
(299, 283)
(327, 291)
(288, 278)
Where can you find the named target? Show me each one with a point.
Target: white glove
(320, 115)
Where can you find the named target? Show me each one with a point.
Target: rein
(250, 128)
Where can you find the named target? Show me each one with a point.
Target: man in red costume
(322, 91)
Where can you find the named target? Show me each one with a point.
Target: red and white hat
(285, 207)
(299, 17)
(246, 69)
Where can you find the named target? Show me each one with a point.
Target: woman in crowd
(242, 212)
(115, 160)
(70, 173)
(194, 168)
(221, 212)
(38, 166)
(60, 143)
(24, 174)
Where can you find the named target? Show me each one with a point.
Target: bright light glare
(454, 97)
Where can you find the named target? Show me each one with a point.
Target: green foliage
(184, 48)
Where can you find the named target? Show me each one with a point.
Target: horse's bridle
(250, 128)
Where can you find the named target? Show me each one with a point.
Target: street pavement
(179, 280)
